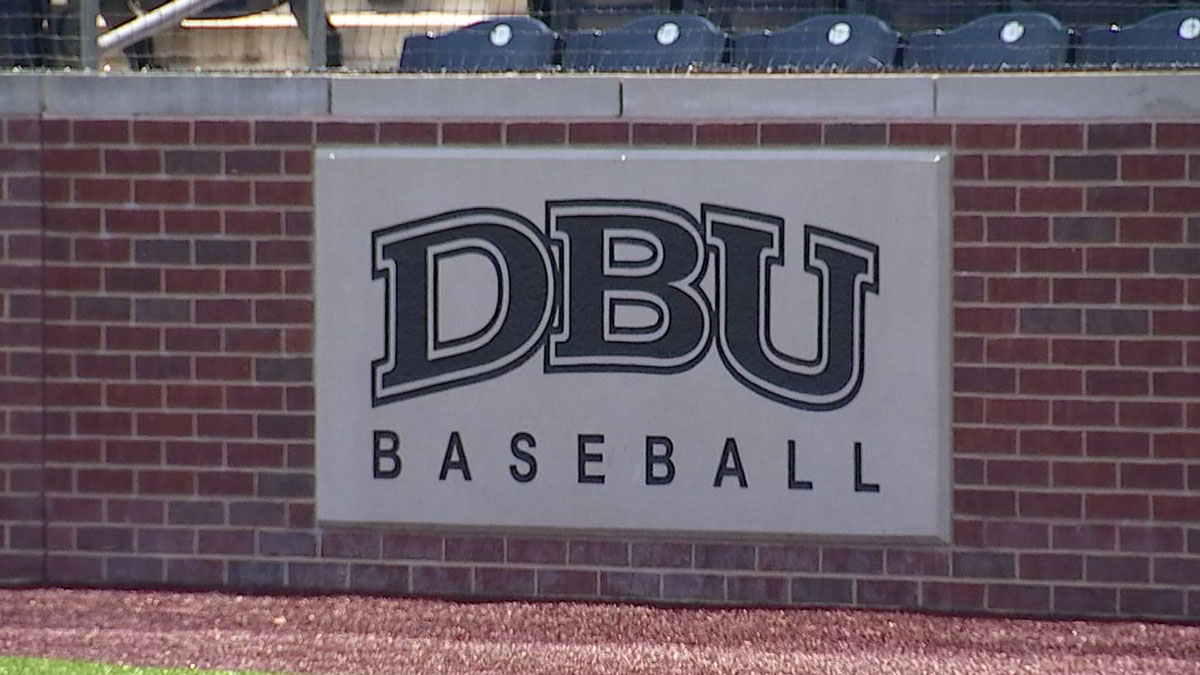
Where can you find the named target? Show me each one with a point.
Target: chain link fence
(598, 35)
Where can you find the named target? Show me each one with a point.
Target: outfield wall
(157, 314)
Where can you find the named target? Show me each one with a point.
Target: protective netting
(600, 35)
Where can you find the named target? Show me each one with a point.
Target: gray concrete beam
(777, 96)
(476, 96)
(140, 94)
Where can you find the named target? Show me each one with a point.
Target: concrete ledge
(1069, 95)
(20, 94)
(778, 96)
(193, 95)
(1033, 96)
(465, 96)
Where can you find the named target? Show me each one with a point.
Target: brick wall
(157, 309)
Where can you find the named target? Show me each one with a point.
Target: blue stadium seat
(745, 15)
(1009, 39)
(504, 44)
(1169, 38)
(569, 15)
(661, 42)
(1083, 13)
(845, 41)
(908, 16)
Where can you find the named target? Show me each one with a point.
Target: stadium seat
(661, 42)
(568, 15)
(1009, 39)
(504, 44)
(845, 41)
(908, 16)
(1165, 39)
(1083, 13)
(746, 15)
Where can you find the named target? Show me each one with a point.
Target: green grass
(22, 665)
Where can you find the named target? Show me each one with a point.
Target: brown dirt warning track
(355, 634)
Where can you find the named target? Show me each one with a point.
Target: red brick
(985, 259)
(227, 542)
(193, 453)
(224, 425)
(545, 551)
(567, 583)
(346, 132)
(1117, 506)
(609, 133)
(159, 132)
(909, 133)
(1085, 290)
(297, 163)
(408, 132)
(1050, 442)
(1177, 444)
(1083, 352)
(71, 219)
(968, 167)
(1144, 601)
(989, 136)
(255, 454)
(271, 132)
(1150, 414)
(1018, 350)
(287, 252)
(1182, 322)
(1177, 199)
(193, 221)
(1085, 600)
(1049, 505)
(475, 549)
(1152, 291)
(412, 546)
(1124, 260)
(1050, 320)
(1178, 135)
(693, 587)
(284, 192)
(1004, 472)
(193, 339)
(1135, 168)
(480, 133)
(1018, 228)
(1085, 474)
(223, 311)
(222, 368)
(991, 503)
(71, 160)
(1022, 412)
(853, 134)
(978, 198)
(1024, 290)
(535, 133)
(1051, 136)
(1085, 537)
(504, 581)
(1105, 136)
(952, 596)
(229, 192)
(1176, 508)
(428, 580)
(221, 132)
(1050, 199)
(1085, 167)
(133, 396)
(132, 221)
(1050, 566)
(161, 191)
(1018, 167)
(662, 134)
(105, 480)
(985, 440)
(192, 281)
(102, 190)
(1117, 383)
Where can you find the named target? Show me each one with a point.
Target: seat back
(746, 15)
(660, 42)
(1164, 39)
(845, 41)
(504, 44)
(908, 16)
(1085, 13)
(1009, 39)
